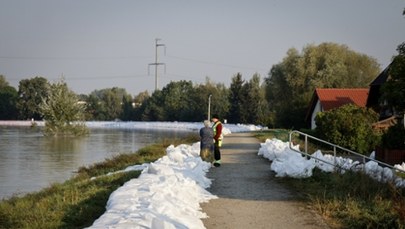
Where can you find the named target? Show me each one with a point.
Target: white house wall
(318, 108)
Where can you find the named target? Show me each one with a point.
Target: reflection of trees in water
(63, 150)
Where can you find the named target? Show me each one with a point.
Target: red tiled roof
(335, 97)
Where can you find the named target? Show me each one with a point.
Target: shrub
(349, 126)
(62, 113)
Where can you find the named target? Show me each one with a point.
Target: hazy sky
(98, 44)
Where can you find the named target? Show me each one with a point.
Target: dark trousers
(217, 152)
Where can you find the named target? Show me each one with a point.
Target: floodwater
(30, 161)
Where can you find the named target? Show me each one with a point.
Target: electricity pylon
(157, 44)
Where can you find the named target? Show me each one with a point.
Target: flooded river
(29, 161)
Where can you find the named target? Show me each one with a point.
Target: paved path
(249, 196)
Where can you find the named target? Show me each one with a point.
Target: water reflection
(29, 161)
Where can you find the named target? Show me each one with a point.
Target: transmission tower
(157, 44)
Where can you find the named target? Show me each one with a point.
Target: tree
(199, 101)
(247, 100)
(30, 94)
(127, 108)
(3, 82)
(236, 99)
(113, 99)
(275, 87)
(393, 94)
(95, 108)
(106, 104)
(8, 100)
(152, 109)
(255, 108)
(181, 101)
(177, 100)
(140, 101)
(219, 100)
(393, 91)
(63, 113)
(290, 84)
(141, 98)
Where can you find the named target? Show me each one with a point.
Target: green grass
(352, 200)
(281, 134)
(349, 200)
(79, 201)
(73, 204)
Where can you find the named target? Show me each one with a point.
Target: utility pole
(157, 44)
(209, 107)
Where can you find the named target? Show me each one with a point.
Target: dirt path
(249, 196)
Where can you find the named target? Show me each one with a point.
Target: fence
(335, 147)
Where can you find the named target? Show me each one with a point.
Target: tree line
(278, 100)
(177, 101)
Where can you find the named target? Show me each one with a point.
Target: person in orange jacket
(217, 128)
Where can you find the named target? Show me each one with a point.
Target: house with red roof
(325, 99)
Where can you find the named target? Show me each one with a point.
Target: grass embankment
(349, 200)
(79, 201)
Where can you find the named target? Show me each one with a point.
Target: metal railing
(335, 147)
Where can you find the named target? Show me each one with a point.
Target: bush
(62, 113)
(349, 126)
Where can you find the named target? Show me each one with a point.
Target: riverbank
(79, 201)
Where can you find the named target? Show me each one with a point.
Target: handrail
(334, 151)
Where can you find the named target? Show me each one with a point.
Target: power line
(55, 58)
(216, 64)
(106, 77)
(182, 77)
(93, 77)
(71, 58)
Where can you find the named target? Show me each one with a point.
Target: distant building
(325, 99)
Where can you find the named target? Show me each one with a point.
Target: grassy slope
(349, 200)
